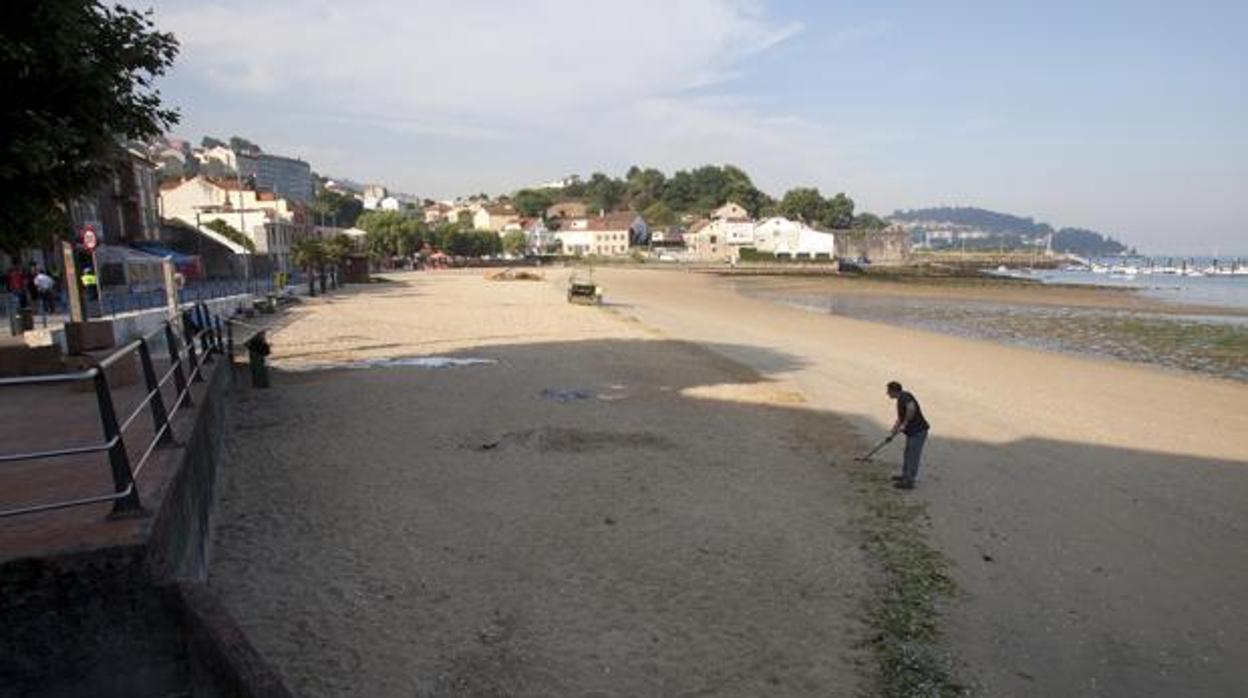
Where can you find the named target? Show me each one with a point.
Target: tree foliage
(392, 234)
(341, 210)
(231, 233)
(660, 214)
(533, 202)
(698, 191)
(337, 248)
(308, 253)
(869, 221)
(809, 206)
(474, 243)
(76, 76)
(241, 145)
(515, 242)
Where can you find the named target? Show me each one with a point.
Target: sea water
(1221, 290)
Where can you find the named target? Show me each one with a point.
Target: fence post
(179, 378)
(188, 328)
(214, 327)
(118, 461)
(229, 339)
(160, 418)
(204, 331)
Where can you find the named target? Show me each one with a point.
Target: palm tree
(309, 254)
(337, 249)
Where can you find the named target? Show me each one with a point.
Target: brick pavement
(44, 417)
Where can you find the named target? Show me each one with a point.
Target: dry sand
(1096, 512)
(601, 511)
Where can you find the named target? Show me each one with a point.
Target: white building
(794, 239)
(272, 222)
(602, 236)
(389, 203)
(372, 196)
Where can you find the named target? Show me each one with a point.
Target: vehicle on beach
(853, 265)
(583, 289)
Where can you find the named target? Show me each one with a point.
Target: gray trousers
(914, 450)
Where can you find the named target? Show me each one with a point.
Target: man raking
(910, 421)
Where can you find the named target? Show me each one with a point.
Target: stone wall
(888, 246)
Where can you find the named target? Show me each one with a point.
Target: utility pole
(242, 219)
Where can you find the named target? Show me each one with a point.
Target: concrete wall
(136, 621)
(90, 625)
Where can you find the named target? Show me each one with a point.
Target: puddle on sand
(567, 394)
(413, 362)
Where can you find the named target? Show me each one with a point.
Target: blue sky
(1130, 118)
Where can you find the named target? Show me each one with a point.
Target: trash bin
(21, 320)
(257, 350)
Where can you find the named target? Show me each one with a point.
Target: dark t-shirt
(919, 423)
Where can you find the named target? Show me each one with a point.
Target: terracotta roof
(620, 220)
(230, 184)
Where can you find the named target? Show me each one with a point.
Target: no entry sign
(89, 238)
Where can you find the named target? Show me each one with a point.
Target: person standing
(912, 423)
(90, 287)
(16, 281)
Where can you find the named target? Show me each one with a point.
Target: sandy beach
(1094, 510)
(596, 511)
(654, 497)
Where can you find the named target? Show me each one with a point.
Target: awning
(116, 254)
(155, 248)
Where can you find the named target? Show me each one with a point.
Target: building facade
(273, 223)
(125, 208)
(495, 218)
(290, 178)
(730, 210)
(793, 239)
(604, 236)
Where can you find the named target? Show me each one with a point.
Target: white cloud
(527, 91)
(443, 59)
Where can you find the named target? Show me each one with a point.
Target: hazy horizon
(1126, 120)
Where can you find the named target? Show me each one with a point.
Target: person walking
(912, 423)
(45, 288)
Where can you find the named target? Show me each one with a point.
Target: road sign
(89, 238)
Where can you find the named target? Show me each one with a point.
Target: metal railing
(199, 327)
(125, 299)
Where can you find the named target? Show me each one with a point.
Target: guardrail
(199, 326)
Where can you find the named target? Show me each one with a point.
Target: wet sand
(1094, 510)
(597, 511)
(1092, 322)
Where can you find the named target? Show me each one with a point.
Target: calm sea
(1222, 290)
